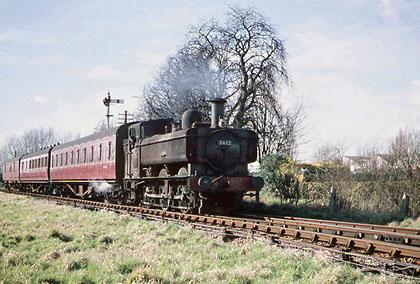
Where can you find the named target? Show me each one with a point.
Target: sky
(355, 64)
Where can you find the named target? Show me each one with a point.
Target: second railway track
(374, 248)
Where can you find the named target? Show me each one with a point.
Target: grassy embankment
(44, 243)
(269, 204)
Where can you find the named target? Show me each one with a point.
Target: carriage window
(92, 152)
(112, 150)
(46, 161)
(56, 160)
(109, 150)
(100, 152)
(78, 156)
(84, 155)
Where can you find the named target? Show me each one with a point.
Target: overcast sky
(355, 64)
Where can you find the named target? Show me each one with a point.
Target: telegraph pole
(107, 102)
(126, 117)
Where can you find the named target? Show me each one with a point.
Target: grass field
(44, 243)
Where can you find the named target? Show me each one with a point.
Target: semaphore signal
(107, 102)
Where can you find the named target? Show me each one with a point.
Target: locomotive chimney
(217, 111)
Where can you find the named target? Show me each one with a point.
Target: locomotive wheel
(186, 204)
(121, 199)
(165, 203)
(146, 199)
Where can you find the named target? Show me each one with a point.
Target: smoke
(186, 81)
(101, 187)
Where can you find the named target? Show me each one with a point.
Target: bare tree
(242, 60)
(31, 141)
(184, 82)
(330, 152)
(101, 126)
(278, 129)
(405, 150)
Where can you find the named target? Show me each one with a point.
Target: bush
(281, 176)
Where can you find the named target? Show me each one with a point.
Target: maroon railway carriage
(11, 172)
(34, 168)
(92, 161)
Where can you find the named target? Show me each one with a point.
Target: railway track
(397, 235)
(370, 247)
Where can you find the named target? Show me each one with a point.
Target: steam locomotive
(188, 166)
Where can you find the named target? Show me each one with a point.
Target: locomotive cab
(136, 133)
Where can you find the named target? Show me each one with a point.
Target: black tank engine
(190, 166)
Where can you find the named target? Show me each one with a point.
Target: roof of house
(357, 159)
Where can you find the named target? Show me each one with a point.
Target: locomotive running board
(159, 178)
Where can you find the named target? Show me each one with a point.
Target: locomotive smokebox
(217, 111)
